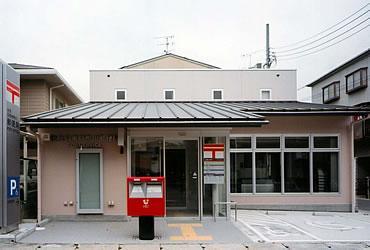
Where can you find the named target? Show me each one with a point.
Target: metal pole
(368, 186)
(25, 168)
(268, 64)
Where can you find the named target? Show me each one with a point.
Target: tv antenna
(168, 41)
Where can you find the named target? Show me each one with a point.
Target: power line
(313, 52)
(314, 41)
(320, 44)
(309, 38)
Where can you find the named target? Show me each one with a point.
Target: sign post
(9, 153)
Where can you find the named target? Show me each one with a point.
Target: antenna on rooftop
(168, 41)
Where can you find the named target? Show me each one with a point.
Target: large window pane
(240, 142)
(296, 142)
(241, 172)
(325, 172)
(297, 172)
(325, 142)
(268, 142)
(146, 156)
(268, 172)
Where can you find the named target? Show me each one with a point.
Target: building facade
(273, 153)
(41, 89)
(347, 85)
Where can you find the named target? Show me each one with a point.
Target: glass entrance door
(182, 178)
(89, 182)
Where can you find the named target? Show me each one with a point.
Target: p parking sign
(13, 187)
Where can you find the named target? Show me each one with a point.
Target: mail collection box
(146, 196)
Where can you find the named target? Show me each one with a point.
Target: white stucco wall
(194, 85)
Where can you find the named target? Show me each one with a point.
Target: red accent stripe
(12, 91)
(12, 85)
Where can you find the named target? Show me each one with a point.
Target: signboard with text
(214, 163)
(10, 167)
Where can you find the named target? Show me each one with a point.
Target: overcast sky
(75, 36)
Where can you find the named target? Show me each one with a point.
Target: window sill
(331, 100)
(356, 89)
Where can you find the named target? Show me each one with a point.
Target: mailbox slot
(154, 190)
(137, 190)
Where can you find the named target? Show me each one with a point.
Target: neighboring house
(348, 84)
(41, 89)
(274, 152)
(169, 61)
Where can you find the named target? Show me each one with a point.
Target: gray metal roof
(26, 66)
(224, 113)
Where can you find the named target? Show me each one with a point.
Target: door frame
(200, 174)
(91, 151)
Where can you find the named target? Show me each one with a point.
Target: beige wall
(169, 63)
(58, 175)
(307, 125)
(34, 97)
(59, 167)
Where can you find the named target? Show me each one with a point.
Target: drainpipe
(51, 95)
(353, 163)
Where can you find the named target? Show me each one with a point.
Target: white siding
(194, 85)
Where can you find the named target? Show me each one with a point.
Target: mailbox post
(146, 200)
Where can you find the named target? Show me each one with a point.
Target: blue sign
(13, 187)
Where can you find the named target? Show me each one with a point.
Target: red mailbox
(146, 196)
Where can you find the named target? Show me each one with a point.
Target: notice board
(214, 163)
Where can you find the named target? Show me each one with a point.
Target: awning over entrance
(183, 114)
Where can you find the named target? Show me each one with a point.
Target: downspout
(51, 95)
(353, 163)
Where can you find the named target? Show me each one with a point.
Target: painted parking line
(270, 229)
(188, 232)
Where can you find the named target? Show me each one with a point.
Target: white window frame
(282, 150)
(269, 90)
(115, 95)
(222, 94)
(164, 94)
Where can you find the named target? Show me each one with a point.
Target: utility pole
(268, 58)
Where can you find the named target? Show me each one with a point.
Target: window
(297, 171)
(169, 94)
(296, 142)
(325, 171)
(325, 164)
(325, 142)
(356, 80)
(120, 94)
(240, 142)
(331, 92)
(241, 169)
(268, 172)
(304, 164)
(268, 142)
(58, 104)
(265, 94)
(146, 155)
(217, 94)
